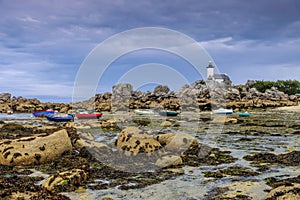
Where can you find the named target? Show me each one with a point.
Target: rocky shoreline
(228, 157)
(199, 96)
(53, 160)
(59, 151)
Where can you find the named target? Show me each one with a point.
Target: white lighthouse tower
(210, 71)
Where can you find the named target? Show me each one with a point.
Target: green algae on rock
(289, 159)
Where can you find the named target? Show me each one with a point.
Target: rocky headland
(199, 96)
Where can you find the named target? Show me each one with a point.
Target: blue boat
(168, 113)
(60, 117)
(43, 113)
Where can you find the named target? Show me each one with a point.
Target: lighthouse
(210, 71)
(221, 78)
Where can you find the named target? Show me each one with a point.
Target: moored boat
(223, 111)
(244, 114)
(88, 115)
(43, 113)
(168, 113)
(143, 112)
(10, 112)
(60, 117)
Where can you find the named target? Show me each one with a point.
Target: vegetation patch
(289, 159)
(231, 171)
(289, 87)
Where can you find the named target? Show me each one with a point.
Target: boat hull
(89, 116)
(144, 112)
(43, 113)
(53, 118)
(168, 113)
(244, 114)
(223, 111)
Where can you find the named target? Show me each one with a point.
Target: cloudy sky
(44, 43)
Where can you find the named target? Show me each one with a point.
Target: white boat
(9, 112)
(223, 111)
(143, 112)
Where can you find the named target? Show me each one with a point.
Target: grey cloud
(63, 32)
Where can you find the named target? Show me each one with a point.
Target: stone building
(221, 78)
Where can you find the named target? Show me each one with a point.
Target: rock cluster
(58, 146)
(211, 93)
(103, 102)
(198, 95)
(172, 147)
(288, 188)
(285, 192)
(25, 105)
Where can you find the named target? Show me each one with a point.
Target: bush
(287, 86)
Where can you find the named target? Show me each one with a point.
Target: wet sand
(289, 108)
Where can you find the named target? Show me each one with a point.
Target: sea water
(4, 116)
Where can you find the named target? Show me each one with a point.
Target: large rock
(34, 149)
(170, 160)
(166, 124)
(122, 90)
(177, 141)
(74, 177)
(110, 124)
(132, 140)
(98, 150)
(171, 104)
(220, 119)
(25, 107)
(4, 107)
(289, 192)
(120, 96)
(103, 106)
(5, 96)
(161, 89)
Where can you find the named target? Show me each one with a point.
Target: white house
(221, 78)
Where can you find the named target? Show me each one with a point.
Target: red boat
(88, 115)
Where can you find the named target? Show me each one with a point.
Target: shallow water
(15, 116)
(271, 132)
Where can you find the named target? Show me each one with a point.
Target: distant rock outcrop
(161, 89)
(5, 97)
(25, 105)
(199, 95)
(120, 96)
